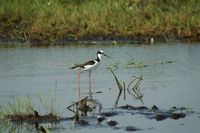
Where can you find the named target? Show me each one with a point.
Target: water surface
(171, 78)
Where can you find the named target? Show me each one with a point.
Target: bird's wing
(91, 62)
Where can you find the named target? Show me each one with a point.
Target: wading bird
(89, 66)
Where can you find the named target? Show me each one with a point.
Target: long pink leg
(79, 92)
(90, 85)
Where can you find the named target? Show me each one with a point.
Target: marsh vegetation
(48, 20)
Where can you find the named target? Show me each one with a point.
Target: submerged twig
(135, 88)
(118, 97)
(119, 86)
(124, 91)
(116, 79)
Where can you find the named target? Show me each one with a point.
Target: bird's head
(100, 53)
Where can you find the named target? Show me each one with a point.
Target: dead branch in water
(136, 89)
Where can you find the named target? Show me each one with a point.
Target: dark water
(171, 78)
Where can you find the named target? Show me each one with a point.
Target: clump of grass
(22, 112)
(22, 109)
(23, 106)
(48, 103)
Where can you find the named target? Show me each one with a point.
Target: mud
(34, 118)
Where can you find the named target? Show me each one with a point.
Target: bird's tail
(73, 67)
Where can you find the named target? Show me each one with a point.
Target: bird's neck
(99, 57)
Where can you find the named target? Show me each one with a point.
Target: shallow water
(171, 78)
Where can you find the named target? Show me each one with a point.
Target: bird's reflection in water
(85, 105)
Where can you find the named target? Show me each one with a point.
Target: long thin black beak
(106, 55)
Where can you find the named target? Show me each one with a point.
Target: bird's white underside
(90, 67)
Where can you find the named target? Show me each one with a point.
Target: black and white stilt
(89, 66)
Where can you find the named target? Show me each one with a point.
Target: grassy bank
(78, 19)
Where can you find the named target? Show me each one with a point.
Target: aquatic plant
(21, 106)
(133, 64)
(113, 65)
(23, 109)
(130, 64)
(162, 62)
(49, 101)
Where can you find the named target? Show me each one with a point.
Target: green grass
(76, 19)
(21, 106)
